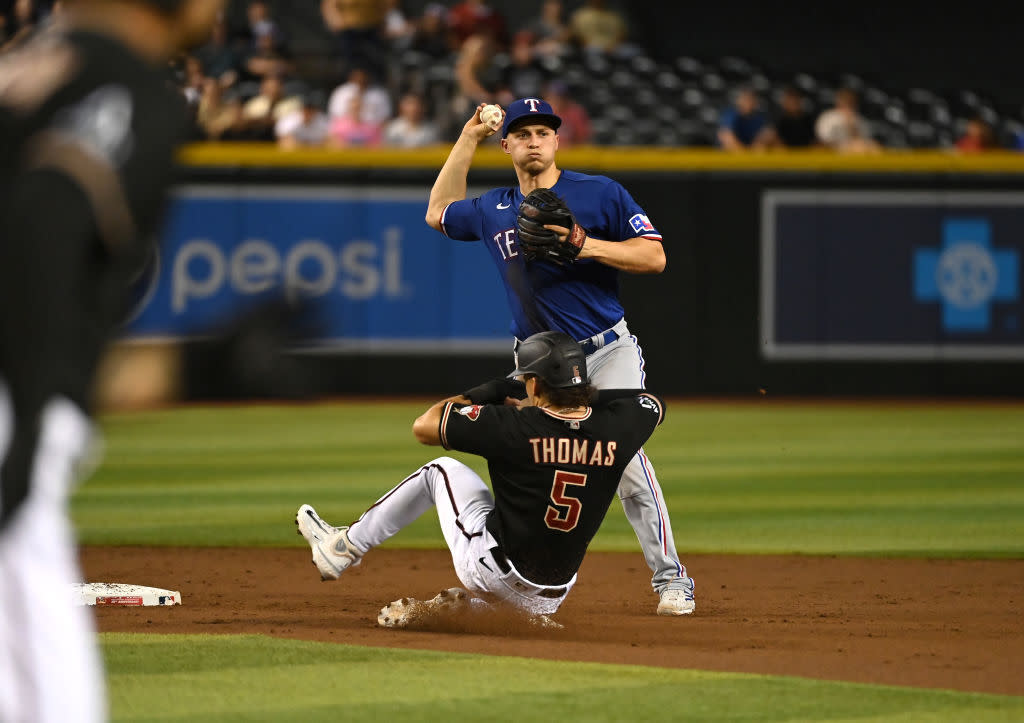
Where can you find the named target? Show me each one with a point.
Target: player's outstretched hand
(476, 128)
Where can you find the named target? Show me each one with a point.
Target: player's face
(532, 148)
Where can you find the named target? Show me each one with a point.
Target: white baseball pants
(620, 365)
(50, 666)
(463, 502)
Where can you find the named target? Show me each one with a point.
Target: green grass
(198, 678)
(902, 479)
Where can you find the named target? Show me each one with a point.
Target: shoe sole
(448, 606)
(673, 613)
(410, 611)
(308, 515)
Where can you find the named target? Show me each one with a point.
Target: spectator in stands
(477, 80)
(374, 101)
(596, 28)
(575, 128)
(551, 34)
(842, 128)
(474, 17)
(358, 30)
(307, 127)
(222, 118)
(525, 76)
(744, 126)
(219, 109)
(218, 56)
(261, 25)
(977, 137)
(266, 57)
(794, 124)
(431, 34)
(398, 29)
(411, 129)
(193, 80)
(261, 112)
(352, 129)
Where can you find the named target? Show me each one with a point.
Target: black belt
(502, 562)
(589, 346)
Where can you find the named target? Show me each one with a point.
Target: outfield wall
(803, 273)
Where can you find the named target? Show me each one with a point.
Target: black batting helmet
(555, 357)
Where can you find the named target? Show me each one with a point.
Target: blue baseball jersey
(580, 299)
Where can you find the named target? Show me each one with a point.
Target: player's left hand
(547, 229)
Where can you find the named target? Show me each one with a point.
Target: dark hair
(580, 396)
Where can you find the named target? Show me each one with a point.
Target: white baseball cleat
(332, 551)
(677, 601)
(408, 611)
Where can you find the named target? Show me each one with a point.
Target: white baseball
(492, 115)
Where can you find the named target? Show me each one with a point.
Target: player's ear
(504, 145)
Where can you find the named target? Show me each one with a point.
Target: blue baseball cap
(534, 110)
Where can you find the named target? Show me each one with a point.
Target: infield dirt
(929, 623)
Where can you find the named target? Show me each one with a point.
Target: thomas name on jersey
(568, 450)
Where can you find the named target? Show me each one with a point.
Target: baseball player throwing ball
(555, 460)
(559, 240)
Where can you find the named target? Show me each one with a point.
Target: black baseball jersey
(88, 132)
(553, 477)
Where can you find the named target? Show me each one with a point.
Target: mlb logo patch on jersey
(472, 412)
(641, 223)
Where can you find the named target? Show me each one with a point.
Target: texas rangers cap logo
(471, 412)
(533, 103)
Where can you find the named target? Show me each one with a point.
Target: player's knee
(447, 463)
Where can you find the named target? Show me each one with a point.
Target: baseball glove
(543, 207)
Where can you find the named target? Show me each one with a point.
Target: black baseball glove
(543, 207)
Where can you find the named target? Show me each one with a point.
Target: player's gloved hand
(495, 391)
(541, 208)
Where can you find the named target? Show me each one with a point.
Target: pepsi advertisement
(363, 262)
(892, 275)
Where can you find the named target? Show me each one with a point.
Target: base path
(928, 623)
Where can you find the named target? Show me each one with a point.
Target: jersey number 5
(564, 515)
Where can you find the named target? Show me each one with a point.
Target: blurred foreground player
(554, 459)
(88, 128)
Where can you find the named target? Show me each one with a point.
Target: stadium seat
(623, 81)
(689, 68)
(921, 135)
(668, 84)
(643, 67)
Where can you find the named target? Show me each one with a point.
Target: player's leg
(50, 667)
(620, 365)
(462, 500)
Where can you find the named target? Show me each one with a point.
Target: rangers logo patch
(471, 412)
(641, 223)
